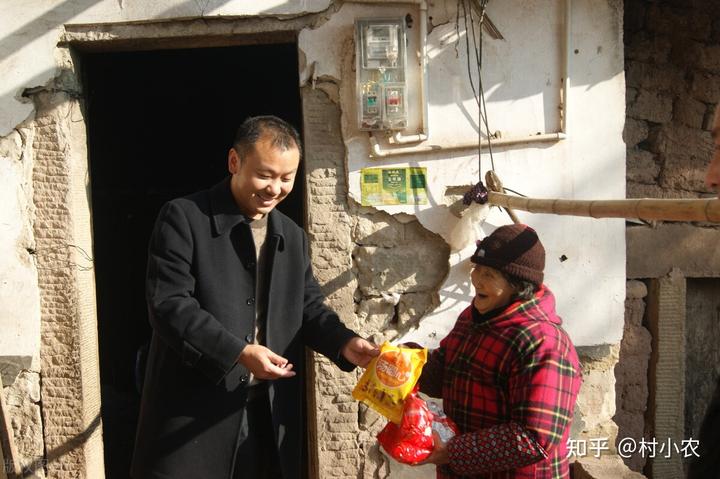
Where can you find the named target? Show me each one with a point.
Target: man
(707, 466)
(233, 302)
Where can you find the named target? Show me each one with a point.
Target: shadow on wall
(15, 41)
(529, 63)
(70, 445)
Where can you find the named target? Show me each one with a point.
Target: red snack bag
(412, 440)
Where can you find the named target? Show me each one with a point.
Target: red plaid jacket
(509, 382)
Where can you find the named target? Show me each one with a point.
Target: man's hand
(439, 454)
(359, 351)
(265, 364)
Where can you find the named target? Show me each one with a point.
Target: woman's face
(492, 290)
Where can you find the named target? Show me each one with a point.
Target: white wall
(29, 32)
(523, 76)
(19, 295)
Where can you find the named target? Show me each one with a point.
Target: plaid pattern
(510, 383)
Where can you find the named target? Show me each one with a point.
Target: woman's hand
(439, 454)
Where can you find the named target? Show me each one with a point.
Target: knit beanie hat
(515, 250)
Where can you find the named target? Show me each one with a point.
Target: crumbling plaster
(573, 168)
(19, 296)
(590, 284)
(594, 248)
(30, 32)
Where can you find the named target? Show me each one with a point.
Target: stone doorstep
(605, 467)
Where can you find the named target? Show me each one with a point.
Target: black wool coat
(201, 297)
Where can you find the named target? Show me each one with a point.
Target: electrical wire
(478, 7)
(513, 191)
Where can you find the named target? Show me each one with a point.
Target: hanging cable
(513, 191)
(478, 47)
(479, 192)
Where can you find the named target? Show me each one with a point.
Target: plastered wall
(422, 251)
(523, 98)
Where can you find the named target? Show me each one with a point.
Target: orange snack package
(389, 378)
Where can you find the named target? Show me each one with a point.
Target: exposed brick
(634, 132)
(705, 87)
(710, 58)
(663, 19)
(644, 47)
(62, 397)
(685, 152)
(379, 229)
(640, 190)
(330, 228)
(630, 95)
(634, 16)
(686, 52)
(641, 166)
(701, 20)
(651, 106)
(689, 112)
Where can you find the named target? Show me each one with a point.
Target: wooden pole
(495, 184)
(643, 208)
(10, 465)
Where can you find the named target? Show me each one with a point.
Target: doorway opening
(160, 124)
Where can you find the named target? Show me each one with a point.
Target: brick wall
(672, 67)
(672, 70)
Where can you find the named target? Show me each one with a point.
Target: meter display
(381, 58)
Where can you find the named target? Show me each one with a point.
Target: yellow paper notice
(393, 186)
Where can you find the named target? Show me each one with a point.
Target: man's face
(263, 178)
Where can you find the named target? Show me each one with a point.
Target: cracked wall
(69, 364)
(672, 66)
(20, 300)
(379, 311)
(673, 78)
(380, 273)
(390, 272)
(574, 168)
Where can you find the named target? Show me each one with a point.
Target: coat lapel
(224, 210)
(275, 247)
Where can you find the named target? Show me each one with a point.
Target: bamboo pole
(495, 184)
(10, 464)
(642, 208)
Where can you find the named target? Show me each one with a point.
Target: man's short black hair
(282, 134)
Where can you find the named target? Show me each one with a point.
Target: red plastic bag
(412, 441)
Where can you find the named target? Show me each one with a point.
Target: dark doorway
(160, 124)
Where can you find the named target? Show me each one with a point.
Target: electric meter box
(381, 57)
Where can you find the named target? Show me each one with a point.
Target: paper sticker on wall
(393, 186)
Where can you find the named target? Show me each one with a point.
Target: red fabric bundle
(412, 441)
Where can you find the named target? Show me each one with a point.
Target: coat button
(243, 379)
(249, 338)
(250, 264)
(250, 301)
